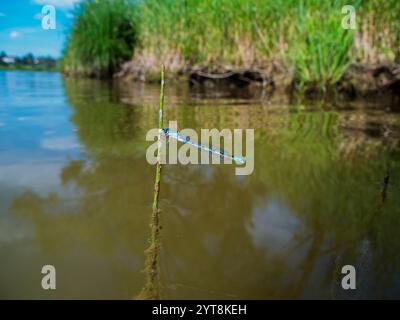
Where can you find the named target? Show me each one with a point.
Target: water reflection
(273, 227)
(76, 192)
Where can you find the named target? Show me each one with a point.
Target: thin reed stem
(151, 290)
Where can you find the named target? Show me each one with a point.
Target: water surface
(76, 192)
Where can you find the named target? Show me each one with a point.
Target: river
(76, 193)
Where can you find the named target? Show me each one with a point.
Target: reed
(304, 34)
(301, 35)
(152, 289)
(103, 36)
(321, 53)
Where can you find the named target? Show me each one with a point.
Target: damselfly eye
(187, 139)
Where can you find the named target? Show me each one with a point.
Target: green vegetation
(303, 35)
(27, 62)
(321, 52)
(104, 35)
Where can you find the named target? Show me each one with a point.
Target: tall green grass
(303, 35)
(379, 31)
(235, 32)
(321, 52)
(103, 36)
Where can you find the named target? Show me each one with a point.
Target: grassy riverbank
(305, 37)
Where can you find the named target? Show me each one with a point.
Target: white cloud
(64, 4)
(59, 143)
(19, 32)
(14, 34)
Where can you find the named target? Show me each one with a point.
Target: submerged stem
(151, 290)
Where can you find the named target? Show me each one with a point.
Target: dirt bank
(359, 80)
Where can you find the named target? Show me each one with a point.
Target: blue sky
(21, 27)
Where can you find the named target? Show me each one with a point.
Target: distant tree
(2, 55)
(27, 59)
(47, 63)
(29, 62)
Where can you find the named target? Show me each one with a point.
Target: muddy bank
(371, 80)
(360, 80)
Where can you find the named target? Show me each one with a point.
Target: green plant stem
(151, 289)
(160, 127)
